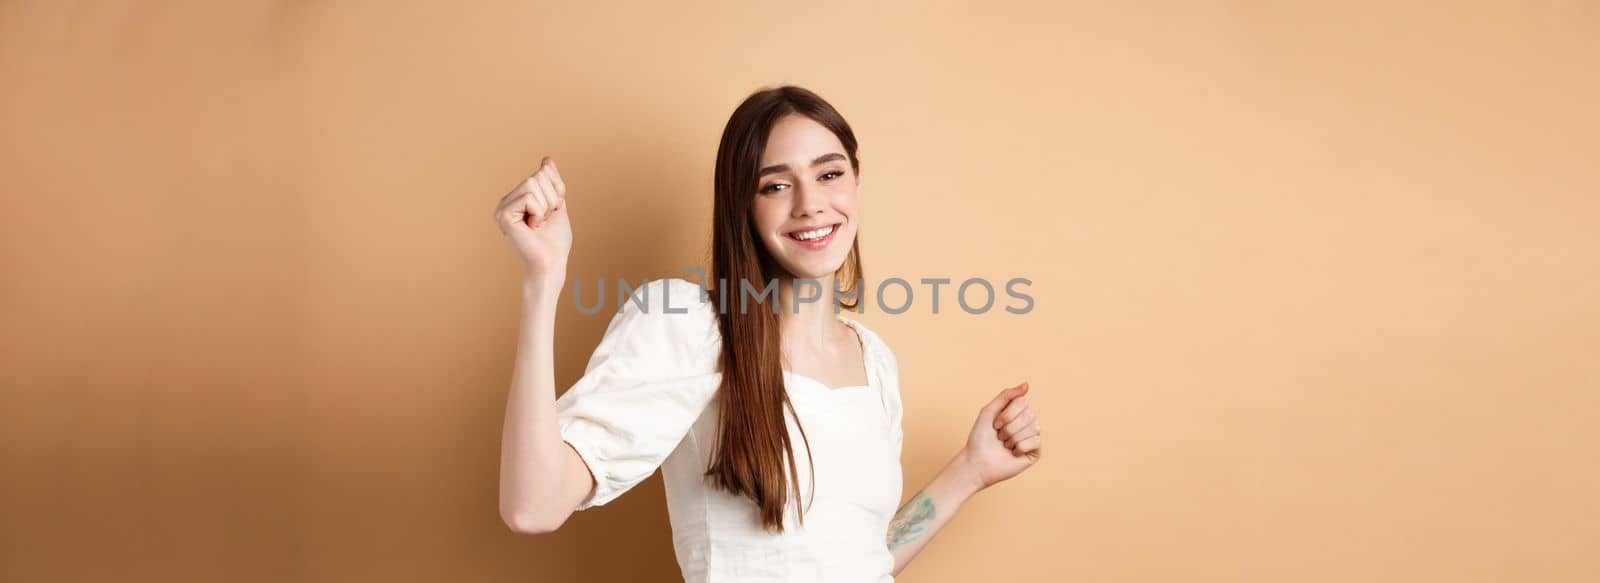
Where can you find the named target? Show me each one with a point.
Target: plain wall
(1315, 283)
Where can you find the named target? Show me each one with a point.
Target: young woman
(775, 421)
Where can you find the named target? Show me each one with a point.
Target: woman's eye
(771, 188)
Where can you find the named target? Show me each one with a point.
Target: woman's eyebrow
(785, 167)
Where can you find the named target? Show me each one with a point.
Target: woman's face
(805, 202)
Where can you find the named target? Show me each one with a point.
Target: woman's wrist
(544, 289)
(964, 474)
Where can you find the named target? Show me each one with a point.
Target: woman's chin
(813, 271)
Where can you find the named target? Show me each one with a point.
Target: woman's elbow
(525, 522)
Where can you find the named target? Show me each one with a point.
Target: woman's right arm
(542, 479)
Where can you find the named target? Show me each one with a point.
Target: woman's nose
(808, 201)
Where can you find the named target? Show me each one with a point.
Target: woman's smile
(815, 238)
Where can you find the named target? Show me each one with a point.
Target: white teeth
(814, 234)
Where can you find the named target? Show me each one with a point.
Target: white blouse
(647, 400)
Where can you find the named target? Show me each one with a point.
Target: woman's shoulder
(667, 316)
(667, 296)
(880, 348)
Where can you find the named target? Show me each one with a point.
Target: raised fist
(534, 217)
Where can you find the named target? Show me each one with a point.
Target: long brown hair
(753, 440)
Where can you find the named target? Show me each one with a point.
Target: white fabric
(647, 400)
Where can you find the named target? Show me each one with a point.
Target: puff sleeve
(650, 378)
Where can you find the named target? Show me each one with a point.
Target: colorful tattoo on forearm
(911, 521)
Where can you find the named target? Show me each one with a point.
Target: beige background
(1316, 285)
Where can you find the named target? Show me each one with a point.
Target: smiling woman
(777, 201)
(722, 401)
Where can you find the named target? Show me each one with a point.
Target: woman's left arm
(1004, 441)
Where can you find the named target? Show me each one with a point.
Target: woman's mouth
(814, 238)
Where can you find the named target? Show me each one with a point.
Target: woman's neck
(808, 320)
